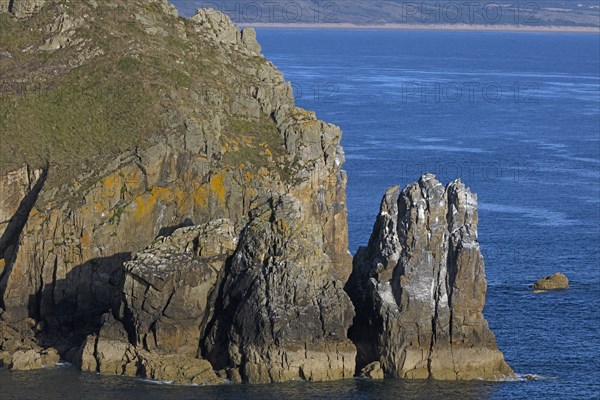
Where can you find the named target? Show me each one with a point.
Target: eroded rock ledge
(419, 288)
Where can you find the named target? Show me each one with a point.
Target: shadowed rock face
(168, 287)
(419, 288)
(265, 310)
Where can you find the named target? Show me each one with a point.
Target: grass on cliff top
(78, 119)
(98, 109)
(54, 114)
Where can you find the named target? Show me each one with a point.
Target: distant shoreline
(426, 27)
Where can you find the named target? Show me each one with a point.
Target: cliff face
(199, 128)
(419, 288)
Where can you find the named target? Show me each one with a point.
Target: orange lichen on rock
(85, 239)
(217, 186)
(145, 203)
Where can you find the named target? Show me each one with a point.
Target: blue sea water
(517, 117)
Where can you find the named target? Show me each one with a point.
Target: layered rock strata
(419, 288)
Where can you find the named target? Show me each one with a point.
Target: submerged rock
(554, 282)
(419, 288)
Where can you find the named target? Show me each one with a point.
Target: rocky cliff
(167, 212)
(123, 122)
(419, 288)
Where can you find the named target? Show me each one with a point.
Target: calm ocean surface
(516, 116)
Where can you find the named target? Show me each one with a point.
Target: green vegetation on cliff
(82, 83)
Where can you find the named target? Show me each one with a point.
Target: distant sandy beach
(429, 27)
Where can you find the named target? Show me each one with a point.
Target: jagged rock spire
(419, 288)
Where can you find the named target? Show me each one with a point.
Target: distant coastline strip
(426, 27)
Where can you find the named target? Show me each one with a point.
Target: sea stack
(419, 288)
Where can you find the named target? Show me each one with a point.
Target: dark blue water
(517, 117)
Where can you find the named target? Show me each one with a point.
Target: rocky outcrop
(419, 288)
(203, 227)
(268, 309)
(219, 28)
(554, 282)
(168, 287)
(19, 349)
(281, 314)
(111, 353)
(372, 371)
(229, 135)
(31, 359)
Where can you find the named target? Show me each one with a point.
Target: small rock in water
(372, 371)
(556, 281)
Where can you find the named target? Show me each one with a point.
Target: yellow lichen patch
(2, 263)
(248, 140)
(181, 198)
(311, 123)
(85, 239)
(217, 186)
(112, 184)
(99, 207)
(201, 196)
(134, 181)
(146, 203)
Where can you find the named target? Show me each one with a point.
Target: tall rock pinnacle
(419, 288)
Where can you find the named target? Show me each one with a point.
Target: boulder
(177, 369)
(419, 288)
(33, 359)
(554, 282)
(372, 371)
